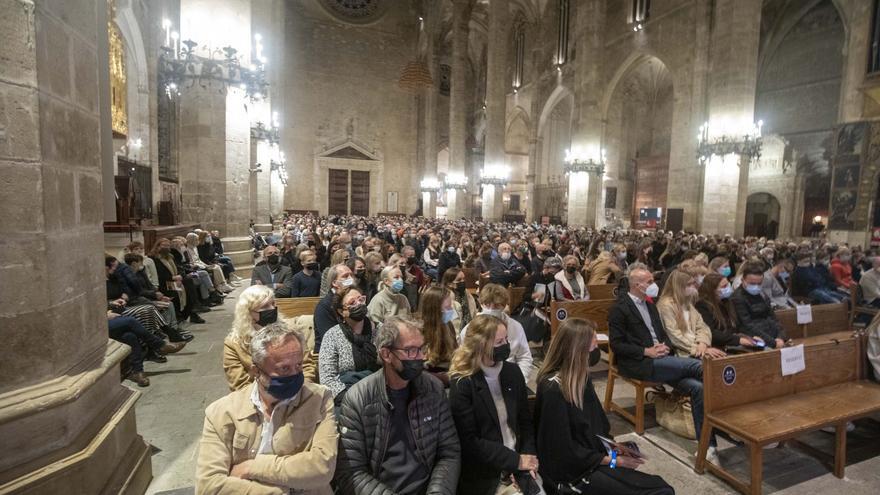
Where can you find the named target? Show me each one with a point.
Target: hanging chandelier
(720, 138)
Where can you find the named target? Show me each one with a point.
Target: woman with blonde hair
(254, 309)
(217, 277)
(437, 315)
(690, 336)
(389, 301)
(573, 433)
(339, 257)
(489, 404)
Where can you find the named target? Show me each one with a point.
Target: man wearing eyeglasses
(397, 432)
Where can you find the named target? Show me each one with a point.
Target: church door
(338, 192)
(360, 193)
(348, 194)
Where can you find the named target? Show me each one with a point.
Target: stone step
(231, 244)
(263, 228)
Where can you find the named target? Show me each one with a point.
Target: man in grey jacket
(271, 273)
(397, 432)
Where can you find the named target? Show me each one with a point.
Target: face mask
(358, 313)
(505, 256)
(497, 313)
(621, 256)
(726, 292)
(360, 273)
(411, 260)
(285, 387)
(411, 369)
(501, 352)
(268, 316)
(652, 290)
(783, 275)
(164, 250)
(700, 279)
(397, 285)
(753, 289)
(724, 271)
(459, 287)
(347, 282)
(313, 266)
(571, 269)
(449, 315)
(690, 292)
(450, 249)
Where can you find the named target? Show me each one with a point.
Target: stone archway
(762, 215)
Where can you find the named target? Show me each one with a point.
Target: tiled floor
(171, 411)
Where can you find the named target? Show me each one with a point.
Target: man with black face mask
(271, 273)
(279, 432)
(307, 283)
(398, 435)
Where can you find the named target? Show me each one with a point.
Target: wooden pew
(602, 291)
(746, 396)
(289, 307)
(595, 310)
(827, 318)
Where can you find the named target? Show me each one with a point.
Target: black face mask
(501, 353)
(273, 259)
(313, 266)
(359, 273)
(571, 269)
(410, 369)
(459, 287)
(358, 313)
(411, 260)
(164, 250)
(268, 316)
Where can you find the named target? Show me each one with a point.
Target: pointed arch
(633, 61)
(558, 94)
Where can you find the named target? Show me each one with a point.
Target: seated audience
(210, 294)
(179, 286)
(504, 269)
(570, 285)
(347, 351)
(606, 266)
(494, 299)
(131, 275)
(437, 315)
(717, 311)
(754, 315)
(325, 316)
(684, 325)
(389, 301)
(643, 350)
(275, 436)
(574, 442)
(775, 284)
(338, 257)
(870, 283)
(842, 270)
(381, 449)
(431, 257)
(271, 273)
(813, 281)
(129, 331)
(448, 259)
(463, 301)
(489, 402)
(192, 253)
(306, 282)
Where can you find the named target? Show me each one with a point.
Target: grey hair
(389, 331)
(271, 335)
(638, 265)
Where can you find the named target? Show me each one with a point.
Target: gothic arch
(633, 61)
(558, 94)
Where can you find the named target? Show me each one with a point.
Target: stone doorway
(762, 215)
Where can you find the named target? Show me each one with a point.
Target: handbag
(673, 412)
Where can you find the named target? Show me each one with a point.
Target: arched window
(562, 39)
(519, 43)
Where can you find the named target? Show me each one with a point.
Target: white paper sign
(792, 360)
(601, 337)
(804, 314)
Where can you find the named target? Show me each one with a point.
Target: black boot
(194, 318)
(175, 335)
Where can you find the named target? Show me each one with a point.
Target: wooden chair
(290, 307)
(858, 308)
(637, 419)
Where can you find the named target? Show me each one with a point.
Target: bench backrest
(827, 318)
(745, 378)
(290, 307)
(602, 291)
(595, 310)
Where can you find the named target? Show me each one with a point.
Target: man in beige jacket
(275, 436)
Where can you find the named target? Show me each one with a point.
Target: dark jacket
(484, 456)
(505, 272)
(364, 419)
(206, 252)
(805, 279)
(447, 260)
(282, 275)
(129, 281)
(723, 335)
(630, 337)
(325, 318)
(755, 317)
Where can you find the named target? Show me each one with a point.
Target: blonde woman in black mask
(254, 309)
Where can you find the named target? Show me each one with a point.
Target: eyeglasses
(412, 352)
(357, 301)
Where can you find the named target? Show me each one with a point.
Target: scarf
(362, 349)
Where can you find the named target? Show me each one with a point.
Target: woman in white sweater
(389, 301)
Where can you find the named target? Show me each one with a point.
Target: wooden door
(360, 193)
(337, 197)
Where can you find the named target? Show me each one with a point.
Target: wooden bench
(595, 310)
(827, 318)
(602, 291)
(290, 307)
(637, 419)
(747, 396)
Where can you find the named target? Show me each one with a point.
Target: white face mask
(652, 290)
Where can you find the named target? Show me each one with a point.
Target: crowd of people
(411, 383)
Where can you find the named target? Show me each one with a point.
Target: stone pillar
(585, 192)
(457, 204)
(67, 424)
(731, 102)
(496, 104)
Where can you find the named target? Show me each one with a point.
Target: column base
(241, 251)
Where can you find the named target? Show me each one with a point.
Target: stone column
(731, 100)
(496, 104)
(585, 190)
(456, 199)
(67, 424)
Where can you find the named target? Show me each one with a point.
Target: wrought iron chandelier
(574, 163)
(745, 141)
(456, 181)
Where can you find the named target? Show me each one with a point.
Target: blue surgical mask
(752, 289)
(449, 315)
(725, 271)
(783, 275)
(285, 387)
(397, 285)
(726, 292)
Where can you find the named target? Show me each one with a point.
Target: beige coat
(684, 340)
(305, 443)
(386, 303)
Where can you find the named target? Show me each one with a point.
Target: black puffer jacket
(363, 423)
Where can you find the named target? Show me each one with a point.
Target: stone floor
(171, 411)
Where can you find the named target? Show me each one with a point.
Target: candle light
(166, 24)
(176, 37)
